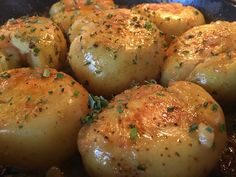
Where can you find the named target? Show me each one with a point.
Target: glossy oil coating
(205, 55)
(120, 50)
(32, 41)
(39, 118)
(171, 18)
(151, 131)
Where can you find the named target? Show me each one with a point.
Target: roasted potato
(151, 131)
(122, 49)
(39, 41)
(65, 12)
(171, 18)
(205, 55)
(39, 118)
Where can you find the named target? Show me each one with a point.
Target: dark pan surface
(213, 9)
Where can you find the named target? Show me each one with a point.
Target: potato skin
(205, 55)
(120, 49)
(171, 18)
(39, 118)
(65, 12)
(149, 131)
(39, 41)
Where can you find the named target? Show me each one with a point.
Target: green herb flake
(46, 73)
(170, 108)
(2, 37)
(160, 94)
(88, 119)
(76, 93)
(36, 51)
(120, 109)
(50, 92)
(214, 107)
(5, 75)
(20, 126)
(209, 129)
(72, 82)
(32, 30)
(141, 167)
(222, 128)
(97, 103)
(89, 2)
(133, 132)
(109, 16)
(196, 12)
(148, 25)
(193, 127)
(205, 104)
(59, 76)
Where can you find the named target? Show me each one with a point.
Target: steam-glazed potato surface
(65, 12)
(151, 131)
(39, 118)
(39, 41)
(171, 18)
(205, 55)
(121, 49)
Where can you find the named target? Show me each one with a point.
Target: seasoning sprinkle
(193, 127)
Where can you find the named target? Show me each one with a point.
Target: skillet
(212, 9)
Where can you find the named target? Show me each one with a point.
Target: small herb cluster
(96, 104)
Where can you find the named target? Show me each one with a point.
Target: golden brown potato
(39, 118)
(151, 131)
(65, 12)
(205, 55)
(39, 41)
(172, 18)
(123, 48)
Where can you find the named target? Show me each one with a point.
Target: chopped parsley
(120, 109)
(193, 127)
(170, 108)
(76, 93)
(46, 73)
(214, 107)
(222, 128)
(133, 132)
(109, 16)
(5, 75)
(209, 129)
(97, 103)
(20, 126)
(59, 76)
(32, 30)
(36, 51)
(2, 37)
(196, 12)
(148, 25)
(50, 92)
(141, 167)
(205, 104)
